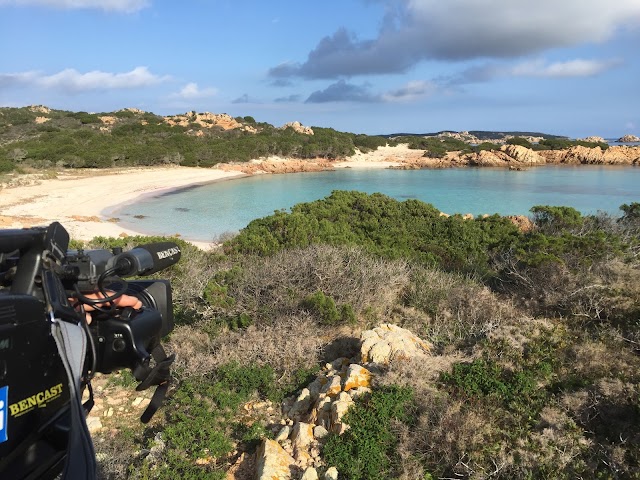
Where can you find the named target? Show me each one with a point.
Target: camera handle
(159, 375)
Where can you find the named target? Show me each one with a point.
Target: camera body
(43, 284)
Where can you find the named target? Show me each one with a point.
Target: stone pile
(318, 409)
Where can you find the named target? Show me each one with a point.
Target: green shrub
(630, 215)
(382, 226)
(523, 142)
(563, 143)
(217, 295)
(366, 451)
(518, 390)
(198, 420)
(325, 308)
(5, 164)
(86, 118)
(556, 219)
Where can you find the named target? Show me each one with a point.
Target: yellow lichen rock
(389, 342)
(272, 461)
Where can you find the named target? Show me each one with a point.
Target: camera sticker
(4, 400)
(39, 400)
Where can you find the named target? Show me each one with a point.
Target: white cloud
(72, 81)
(191, 91)
(571, 68)
(534, 68)
(417, 30)
(125, 6)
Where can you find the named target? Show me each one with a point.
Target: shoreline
(81, 200)
(85, 201)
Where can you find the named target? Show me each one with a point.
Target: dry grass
(278, 283)
(457, 308)
(289, 344)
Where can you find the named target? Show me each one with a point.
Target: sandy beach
(82, 200)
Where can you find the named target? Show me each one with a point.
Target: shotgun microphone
(146, 259)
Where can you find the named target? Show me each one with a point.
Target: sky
(566, 67)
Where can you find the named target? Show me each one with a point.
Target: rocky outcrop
(279, 166)
(137, 111)
(523, 222)
(272, 461)
(473, 140)
(619, 155)
(39, 109)
(209, 120)
(462, 136)
(320, 408)
(522, 155)
(629, 139)
(389, 342)
(108, 120)
(298, 127)
(508, 155)
(517, 157)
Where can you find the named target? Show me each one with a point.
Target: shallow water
(207, 211)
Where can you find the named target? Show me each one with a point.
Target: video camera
(49, 352)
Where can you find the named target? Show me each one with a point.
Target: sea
(210, 212)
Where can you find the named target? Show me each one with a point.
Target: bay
(205, 212)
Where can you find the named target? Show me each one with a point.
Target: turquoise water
(204, 212)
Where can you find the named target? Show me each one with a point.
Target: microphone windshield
(147, 259)
(164, 254)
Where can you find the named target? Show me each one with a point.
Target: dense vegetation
(535, 373)
(80, 139)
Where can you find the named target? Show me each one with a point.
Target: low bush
(459, 309)
(279, 284)
(325, 308)
(409, 230)
(516, 390)
(535, 369)
(198, 435)
(288, 344)
(523, 142)
(367, 450)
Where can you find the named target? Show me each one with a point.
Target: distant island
(476, 136)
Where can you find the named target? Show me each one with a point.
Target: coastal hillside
(359, 337)
(40, 138)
